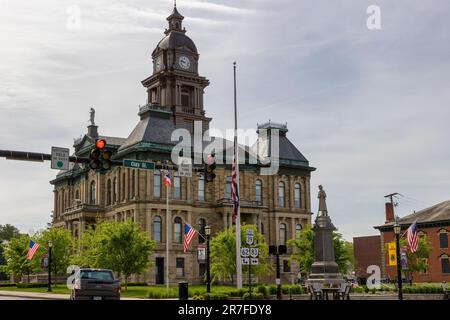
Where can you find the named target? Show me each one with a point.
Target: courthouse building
(279, 205)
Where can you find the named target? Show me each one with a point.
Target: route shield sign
(60, 158)
(245, 252)
(249, 237)
(254, 252)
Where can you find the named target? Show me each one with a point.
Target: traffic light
(210, 166)
(100, 157)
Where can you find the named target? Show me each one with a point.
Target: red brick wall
(434, 273)
(367, 252)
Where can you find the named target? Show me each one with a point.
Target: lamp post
(397, 230)
(208, 262)
(49, 285)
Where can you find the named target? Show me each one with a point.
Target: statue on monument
(322, 201)
(92, 116)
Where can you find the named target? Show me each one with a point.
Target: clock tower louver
(175, 85)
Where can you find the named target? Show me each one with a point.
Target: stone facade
(279, 205)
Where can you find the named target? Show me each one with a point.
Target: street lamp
(397, 230)
(208, 262)
(49, 285)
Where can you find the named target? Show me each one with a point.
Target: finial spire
(175, 3)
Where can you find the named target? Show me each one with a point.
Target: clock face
(184, 62)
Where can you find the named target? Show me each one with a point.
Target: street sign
(245, 261)
(60, 158)
(255, 261)
(249, 238)
(254, 252)
(136, 164)
(184, 167)
(245, 252)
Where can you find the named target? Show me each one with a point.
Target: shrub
(272, 289)
(255, 296)
(31, 285)
(237, 293)
(7, 285)
(263, 290)
(137, 284)
(216, 296)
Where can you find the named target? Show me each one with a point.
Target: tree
(3, 275)
(303, 251)
(223, 254)
(7, 232)
(63, 248)
(417, 261)
(15, 255)
(122, 247)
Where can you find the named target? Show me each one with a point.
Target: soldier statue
(92, 117)
(322, 201)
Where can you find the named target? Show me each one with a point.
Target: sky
(368, 108)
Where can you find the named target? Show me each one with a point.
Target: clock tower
(175, 84)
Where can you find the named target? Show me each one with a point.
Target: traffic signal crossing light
(100, 157)
(210, 166)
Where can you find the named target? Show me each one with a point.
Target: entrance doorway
(159, 271)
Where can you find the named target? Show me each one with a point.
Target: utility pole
(391, 197)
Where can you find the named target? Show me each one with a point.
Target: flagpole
(238, 216)
(167, 235)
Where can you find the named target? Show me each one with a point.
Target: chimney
(93, 131)
(389, 212)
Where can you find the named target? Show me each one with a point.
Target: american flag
(33, 247)
(189, 234)
(234, 190)
(167, 181)
(413, 238)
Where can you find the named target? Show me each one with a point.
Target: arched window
(298, 229)
(108, 192)
(93, 193)
(297, 195)
(114, 191)
(157, 235)
(443, 239)
(228, 188)
(283, 234)
(133, 180)
(157, 184)
(445, 263)
(258, 191)
(201, 230)
(176, 186)
(201, 188)
(281, 200)
(177, 234)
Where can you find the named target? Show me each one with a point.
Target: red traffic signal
(100, 144)
(99, 156)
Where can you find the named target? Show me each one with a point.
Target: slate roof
(176, 40)
(434, 214)
(150, 129)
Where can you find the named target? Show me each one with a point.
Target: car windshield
(96, 275)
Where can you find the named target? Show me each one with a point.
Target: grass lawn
(136, 291)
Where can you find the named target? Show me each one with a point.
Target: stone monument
(92, 128)
(324, 270)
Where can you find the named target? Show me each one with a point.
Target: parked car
(95, 284)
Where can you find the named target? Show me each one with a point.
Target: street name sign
(136, 164)
(185, 167)
(60, 158)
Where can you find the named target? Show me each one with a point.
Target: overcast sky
(369, 108)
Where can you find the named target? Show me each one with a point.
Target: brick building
(279, 205)
(434, 222)
(367, 251)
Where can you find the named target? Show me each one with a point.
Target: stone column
(127, 183)
(225, 219)
(136, 184)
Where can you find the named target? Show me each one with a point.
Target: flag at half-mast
(167, 180)
(413, 237)
(189, 234)
(234, 188)
(32, 248)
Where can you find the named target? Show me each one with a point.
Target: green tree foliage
(3, 275)
(223, 254)
(7, 232)
(15, 253)
(417, 261)
(63, 248)
(122, 247)
(303, 251)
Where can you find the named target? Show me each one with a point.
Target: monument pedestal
(324, 270)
